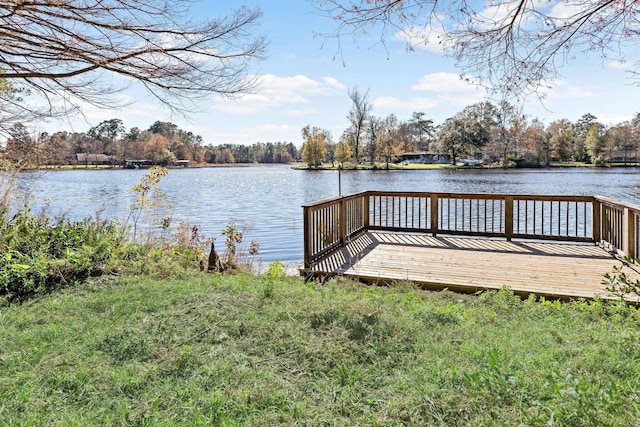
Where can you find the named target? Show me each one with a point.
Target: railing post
(306, 212)
(365, 207)
(628, 233)
(508, 217)
(342, 220)
(596, 219)
(434, 214)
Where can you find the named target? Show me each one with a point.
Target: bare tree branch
(60, 51)
(513, 46)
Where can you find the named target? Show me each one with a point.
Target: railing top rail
(617, 203)
(494, 196)
(333, 199)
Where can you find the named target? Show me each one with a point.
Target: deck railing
(328, 224)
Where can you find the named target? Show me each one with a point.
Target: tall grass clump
(39, 253)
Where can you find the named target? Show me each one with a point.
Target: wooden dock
(550, 246)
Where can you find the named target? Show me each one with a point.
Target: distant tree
(423, 128)
(622, 139)
(358, 116)
(21, 148)
(388, 146)
(560, 140)
(60, 148)
(133, 144)
(594, 142)
(225, 156)
(406, 139)
(157, 150)
(506, 118)
(108, 134)
(373, 131)
(536, 143)
(461, 133)
(635, 125)
(313, 150)
(580, 130)
(60, 50)
(343, 151)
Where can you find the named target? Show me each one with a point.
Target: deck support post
(628, 233)
(306, 212)
(434, 214)
(342, 221)
(365, 208)
(508, 217)
(596, 221)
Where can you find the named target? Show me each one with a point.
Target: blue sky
(303, 82)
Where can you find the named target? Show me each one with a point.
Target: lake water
(266, 201)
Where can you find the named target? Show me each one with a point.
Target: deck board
(472, 264)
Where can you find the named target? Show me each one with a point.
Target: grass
(271, 350)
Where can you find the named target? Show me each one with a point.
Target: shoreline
(350, 167)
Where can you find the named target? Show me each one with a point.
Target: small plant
(618, 281)
(275, 271)
(151, 201)
(234, 253)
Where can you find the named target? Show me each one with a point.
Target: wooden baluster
(508, 217)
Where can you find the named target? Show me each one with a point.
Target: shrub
(40, 254)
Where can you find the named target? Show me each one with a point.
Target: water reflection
(266, 200)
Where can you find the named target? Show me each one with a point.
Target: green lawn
(248, 350)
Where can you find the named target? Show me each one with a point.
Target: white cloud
(276, 91)
(621, 65)
(334, 83)
(446, 91)
(563, 10)
(563, 91)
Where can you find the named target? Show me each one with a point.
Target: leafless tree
(358, 116)
(513, 46)
(63, 51)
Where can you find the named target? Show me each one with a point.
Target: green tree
(387, 144)
(313, 150)
(594, 142)
(423, 128)
(109, 134)
(580, 130)
(561, 139)
(462, 133)
(343, 151)
(622, 139)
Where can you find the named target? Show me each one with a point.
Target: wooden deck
(548, 245)
(559, 270)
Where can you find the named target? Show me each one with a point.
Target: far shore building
(425, 157)
(95, 159)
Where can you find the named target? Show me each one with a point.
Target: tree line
(497, 134)
(163, 143)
